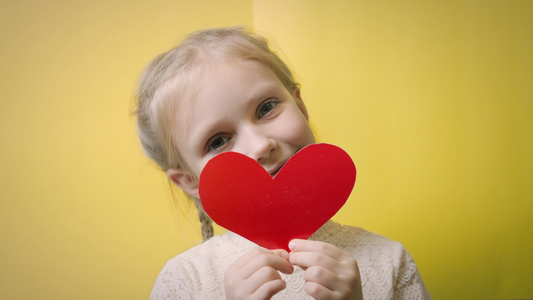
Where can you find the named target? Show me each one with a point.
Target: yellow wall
(433, 100)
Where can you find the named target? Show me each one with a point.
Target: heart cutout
(241, 196)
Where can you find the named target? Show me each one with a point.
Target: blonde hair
(169, 81)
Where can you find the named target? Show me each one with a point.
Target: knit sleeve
(198, 273)
(172, 283)
(409, 283)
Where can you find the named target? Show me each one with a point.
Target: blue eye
(217, 142)
(266, 107)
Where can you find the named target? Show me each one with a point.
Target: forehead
(221, 87)
(227, 82)
(244, 76)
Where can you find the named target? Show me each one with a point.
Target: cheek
(200, 165)
(193, 163)
(200, 168)
(296, 130)
(306, 136)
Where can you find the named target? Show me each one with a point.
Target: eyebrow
(254, 99)
(203, 134)
(265, 90)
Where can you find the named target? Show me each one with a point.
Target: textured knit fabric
(387, 270)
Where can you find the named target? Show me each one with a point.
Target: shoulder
(371, 250)
(387, 269)
(357, 240)
(199, 271)
(218, 249)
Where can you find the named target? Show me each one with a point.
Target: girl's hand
(255, 274)
(330, 273)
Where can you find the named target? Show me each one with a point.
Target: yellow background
(433, 101)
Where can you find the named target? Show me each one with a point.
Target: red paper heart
(241, 196)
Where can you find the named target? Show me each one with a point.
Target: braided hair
(170, 79)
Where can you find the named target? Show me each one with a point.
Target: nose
(256, 144)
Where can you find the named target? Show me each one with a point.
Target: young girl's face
(240, 106)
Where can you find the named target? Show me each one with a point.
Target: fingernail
(292, 245)
(285, 255)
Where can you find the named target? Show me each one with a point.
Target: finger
(309, 259)
(298, 245)
(252, 254)
(269, 289)
(263, 276)
(306, 253)
(262, 260)
(318, 291)
(244, 259)
(328, 279)
(282, 253)
(254, 269)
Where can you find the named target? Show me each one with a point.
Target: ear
(185, 180)
(300, 103)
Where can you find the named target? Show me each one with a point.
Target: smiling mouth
(276, 171)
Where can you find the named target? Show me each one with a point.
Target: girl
(225, 90)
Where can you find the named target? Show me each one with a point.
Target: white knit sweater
(387, 270)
